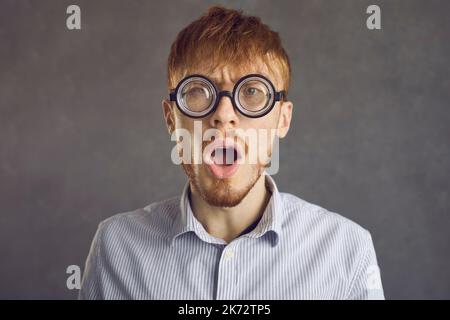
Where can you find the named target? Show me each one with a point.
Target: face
(230, 159)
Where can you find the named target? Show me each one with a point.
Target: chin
(227, 192)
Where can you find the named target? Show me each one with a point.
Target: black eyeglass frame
(175, 95)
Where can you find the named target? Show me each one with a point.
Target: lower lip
(223, 171)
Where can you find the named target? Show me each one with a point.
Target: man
(231, 234)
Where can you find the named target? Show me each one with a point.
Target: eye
(251, 91)
(195, 91)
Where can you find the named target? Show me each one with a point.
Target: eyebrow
(235, 79)
(216, 80)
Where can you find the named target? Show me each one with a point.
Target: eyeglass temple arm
(279, 95)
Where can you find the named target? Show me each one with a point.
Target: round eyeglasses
(253, 96)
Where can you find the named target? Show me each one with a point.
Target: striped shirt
(297, 250)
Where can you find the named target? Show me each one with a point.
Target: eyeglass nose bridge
(224, 93)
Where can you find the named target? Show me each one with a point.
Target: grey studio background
(82, 134)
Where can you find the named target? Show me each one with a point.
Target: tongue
(224, 164)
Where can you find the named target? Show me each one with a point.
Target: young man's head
(225, 50)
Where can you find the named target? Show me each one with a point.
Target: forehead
(230, 74)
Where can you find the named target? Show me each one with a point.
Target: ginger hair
(227, 37)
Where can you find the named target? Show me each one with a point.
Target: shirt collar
(269, 224)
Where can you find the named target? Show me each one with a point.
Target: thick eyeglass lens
(197, 96)
(254, 95)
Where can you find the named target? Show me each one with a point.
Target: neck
(229, 223)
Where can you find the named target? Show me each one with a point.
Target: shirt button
(229, 254)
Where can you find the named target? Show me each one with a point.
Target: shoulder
(340, 244)
(327, 228)
(154, 220)
(120, 241)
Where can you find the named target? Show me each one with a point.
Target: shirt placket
(226, 272)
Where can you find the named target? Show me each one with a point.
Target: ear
(169, 115)
(284, 120)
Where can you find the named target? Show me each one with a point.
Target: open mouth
(223, 159)
(225, 156)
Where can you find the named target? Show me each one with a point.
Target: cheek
(263, 129)
(183, 122)
(191, 124)
(269, 121)
(272, 118)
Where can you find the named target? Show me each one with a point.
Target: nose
(225, 115)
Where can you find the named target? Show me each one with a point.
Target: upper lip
(223, 143)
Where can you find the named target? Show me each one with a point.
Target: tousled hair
(227, 37)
